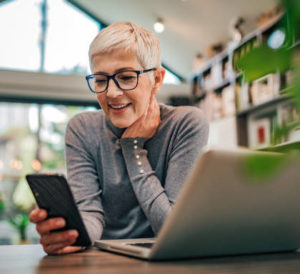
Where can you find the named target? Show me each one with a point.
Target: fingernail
(41, 214)
(60, 222)
(73, 233)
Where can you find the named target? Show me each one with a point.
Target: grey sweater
(125, 187)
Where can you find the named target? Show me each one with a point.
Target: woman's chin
(121, 124)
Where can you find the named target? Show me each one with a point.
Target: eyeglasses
(124, 80)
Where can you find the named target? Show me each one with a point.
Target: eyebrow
(118, 70)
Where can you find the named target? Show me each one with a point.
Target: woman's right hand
(54, 243)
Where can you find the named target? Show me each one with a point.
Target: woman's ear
(159, 75)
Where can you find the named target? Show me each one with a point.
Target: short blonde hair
(130, 37)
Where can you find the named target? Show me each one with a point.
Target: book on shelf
(217, 106)
(289, 77)
(216, 74)
(228, 101)
(226, 73)
(242, 96)
(207, 82)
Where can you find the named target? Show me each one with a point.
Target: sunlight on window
(68, 37)
(19, 32)
(170, 78)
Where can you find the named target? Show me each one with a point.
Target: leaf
(261, 166)
(264, 60)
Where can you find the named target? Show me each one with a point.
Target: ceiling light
(159, 26)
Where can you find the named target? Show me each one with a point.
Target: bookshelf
(256, 107)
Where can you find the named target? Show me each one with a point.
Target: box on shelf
(265, 88)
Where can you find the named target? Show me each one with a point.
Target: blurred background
(236, 60)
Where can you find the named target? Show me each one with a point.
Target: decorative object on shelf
(265, 88)
(235, 28)
(198, 63)
(269, 15)
(214, 49)
(260, 133)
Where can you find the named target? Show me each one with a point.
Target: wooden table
(29, 259)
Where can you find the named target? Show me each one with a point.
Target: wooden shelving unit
(257, 106)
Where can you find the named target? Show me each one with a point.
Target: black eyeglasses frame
(109, 77)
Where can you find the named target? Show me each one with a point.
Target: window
(68, 35)
(20, 32)
(31, 140)
(171, 78)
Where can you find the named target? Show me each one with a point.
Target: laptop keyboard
(146, 245)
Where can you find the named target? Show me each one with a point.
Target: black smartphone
(52, 193)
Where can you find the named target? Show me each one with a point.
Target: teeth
(119, 107)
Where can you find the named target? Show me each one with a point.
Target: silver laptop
(234, 202)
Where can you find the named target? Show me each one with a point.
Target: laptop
(233, 202)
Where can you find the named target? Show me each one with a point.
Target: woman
(126, 163)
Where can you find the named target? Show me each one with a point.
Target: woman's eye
(100, 81)
(126, 78)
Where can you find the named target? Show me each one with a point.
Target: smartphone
(52, 193)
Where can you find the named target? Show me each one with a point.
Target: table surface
(28, 259)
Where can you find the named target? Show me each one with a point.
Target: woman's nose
(113, 90)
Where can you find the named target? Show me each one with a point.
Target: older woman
(126, 163)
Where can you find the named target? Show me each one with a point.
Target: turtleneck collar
(116, 131)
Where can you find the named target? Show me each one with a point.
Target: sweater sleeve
(191, 134)
(83, 178)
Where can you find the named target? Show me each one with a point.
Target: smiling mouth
(119, 107)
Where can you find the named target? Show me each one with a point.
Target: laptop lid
(234, 202)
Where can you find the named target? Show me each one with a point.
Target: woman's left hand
(146, 126)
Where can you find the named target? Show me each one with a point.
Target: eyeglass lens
(126, 79)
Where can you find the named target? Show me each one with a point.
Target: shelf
(284, 147)
(266, 104)
(223, 84)
(200, 97)
(220, 72)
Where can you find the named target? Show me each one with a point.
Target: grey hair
(130, 37)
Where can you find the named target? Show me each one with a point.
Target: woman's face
(123, 108)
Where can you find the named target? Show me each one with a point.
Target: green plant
(20, 222)
(262, 60)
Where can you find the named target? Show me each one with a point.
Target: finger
(68, 236)
(37, 215)
(51, 224)
(70, 249)
(61, 248)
